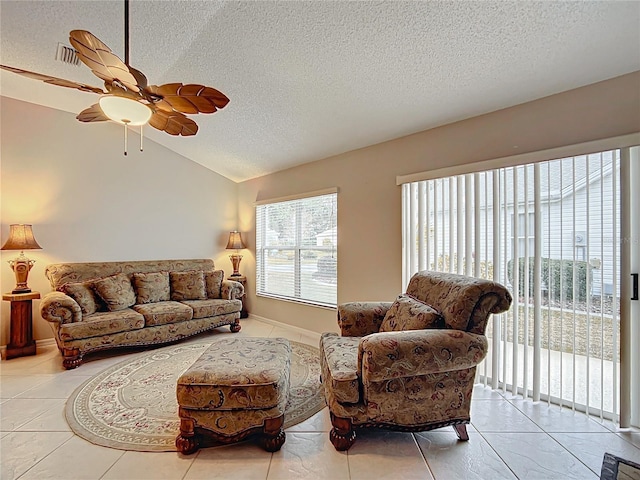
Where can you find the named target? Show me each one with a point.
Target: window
(526, 238)
(297, 249)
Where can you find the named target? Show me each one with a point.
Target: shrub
(557, 275)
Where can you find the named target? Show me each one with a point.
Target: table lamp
(21, 238)
(235, 243)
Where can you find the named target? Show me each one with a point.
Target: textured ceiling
(313, 79)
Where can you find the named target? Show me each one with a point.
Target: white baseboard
(45, 342)
(275, 323)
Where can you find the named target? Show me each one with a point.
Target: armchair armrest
(464, 302)
(358, 319)
(60, 308)
(388, 355)
(231, 290)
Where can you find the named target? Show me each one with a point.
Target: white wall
(88, 202)
(369, 201)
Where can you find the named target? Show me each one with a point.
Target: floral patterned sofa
(409, 365)
(98, 306)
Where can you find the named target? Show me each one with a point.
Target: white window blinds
(550, 232)
(297, 249)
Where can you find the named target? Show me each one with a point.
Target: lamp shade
(21, 238)
(235, 241)
(125, 110)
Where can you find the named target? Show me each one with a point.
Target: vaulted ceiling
(311, 79)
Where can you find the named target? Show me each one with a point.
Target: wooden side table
(21, 340)
(243, 280)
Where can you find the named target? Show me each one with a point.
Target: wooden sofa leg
(235, 326)
(273, 436)
(342, 434)
(461, 431)
(71, 358)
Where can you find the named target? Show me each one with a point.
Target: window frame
(297, 248)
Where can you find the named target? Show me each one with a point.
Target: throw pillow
(84, 296)
(188, 285)
(408, 313)
(116, 291)
(213, 281)
(151, 287)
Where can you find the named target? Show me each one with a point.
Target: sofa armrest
(60, 308)
(231, 290)
(387, 355)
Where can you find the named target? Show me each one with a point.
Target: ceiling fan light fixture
(125, 111)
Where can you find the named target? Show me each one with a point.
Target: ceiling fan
(127, 97)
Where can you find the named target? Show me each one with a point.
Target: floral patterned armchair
(409, 365)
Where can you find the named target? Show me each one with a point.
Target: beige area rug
(132, 405)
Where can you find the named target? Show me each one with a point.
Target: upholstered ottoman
(237, 388)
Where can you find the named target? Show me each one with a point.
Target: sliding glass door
(630, 310)
(553, 233)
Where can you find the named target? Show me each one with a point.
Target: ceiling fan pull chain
(141, 136)
(125, 139)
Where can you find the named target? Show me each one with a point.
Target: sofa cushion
(187, 285)
(84, 296)
(408, 313)
(340, 358)
(116, 291)
(102, 323)
(161, 313)
(213, 281)
(213, 307)
(151, 287)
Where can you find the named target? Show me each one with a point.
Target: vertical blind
(550, 232)
(297, 249)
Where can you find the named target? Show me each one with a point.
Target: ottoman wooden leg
(273, 436)
(186, 441)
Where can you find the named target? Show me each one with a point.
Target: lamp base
(235, 261)
(21, 290)
(21, 266)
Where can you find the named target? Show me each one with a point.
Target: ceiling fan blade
(189, 98)
(92, 114)
(101, 60)
(61, 82)
(140, 77)
(174, 123)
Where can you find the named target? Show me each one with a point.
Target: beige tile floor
(509, 437)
